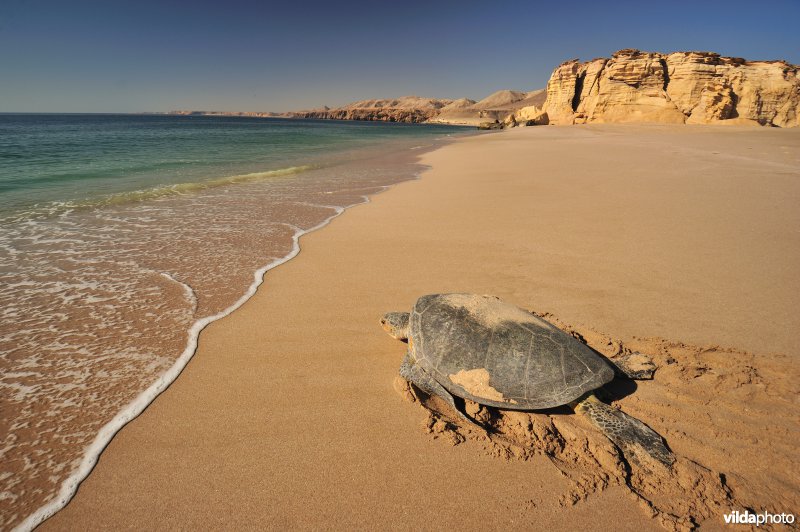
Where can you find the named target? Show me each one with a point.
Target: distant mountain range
(493, 108)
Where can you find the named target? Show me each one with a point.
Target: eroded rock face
(681, 87)
(561, 91)
(386, 114)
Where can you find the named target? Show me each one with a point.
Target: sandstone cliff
(681, 87)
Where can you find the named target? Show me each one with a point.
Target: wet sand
(680, 240)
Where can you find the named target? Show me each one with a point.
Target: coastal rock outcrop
(494, 108)
(380, 115)
(491, 110)
(404, 109)
(681, 87)
(527, 116)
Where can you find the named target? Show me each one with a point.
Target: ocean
(122, 236)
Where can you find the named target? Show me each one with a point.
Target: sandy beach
(678, 241)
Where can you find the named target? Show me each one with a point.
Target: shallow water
(120, 237)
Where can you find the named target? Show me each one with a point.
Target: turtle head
(396, 324)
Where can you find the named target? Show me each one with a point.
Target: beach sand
(681, 242)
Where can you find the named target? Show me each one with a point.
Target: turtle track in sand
(729, 416)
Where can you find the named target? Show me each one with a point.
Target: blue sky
(129, 56)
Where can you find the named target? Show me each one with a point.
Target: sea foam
(103, 296)
(105, 435)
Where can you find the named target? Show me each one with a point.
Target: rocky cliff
(681, 87)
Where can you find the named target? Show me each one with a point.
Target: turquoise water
(121, 237)
(60, 158)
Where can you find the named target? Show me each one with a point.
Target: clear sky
(157, 55)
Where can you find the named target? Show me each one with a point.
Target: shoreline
(145, 398)
(141, 402)
(37, 489)
(496, 270)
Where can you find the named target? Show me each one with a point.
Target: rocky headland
(680, 87)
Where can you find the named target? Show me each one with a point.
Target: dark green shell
(494, 353)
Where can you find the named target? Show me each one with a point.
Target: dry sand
(667, 240)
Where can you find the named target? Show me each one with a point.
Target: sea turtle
(494, 353)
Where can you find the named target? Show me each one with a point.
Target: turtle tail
(635, 439)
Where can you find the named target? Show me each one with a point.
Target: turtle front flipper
(414, 374)
(628, 433)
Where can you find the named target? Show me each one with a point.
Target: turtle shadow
(562, 410)
(622, 386)
(619, 388)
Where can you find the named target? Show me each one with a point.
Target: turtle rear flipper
(635, 439)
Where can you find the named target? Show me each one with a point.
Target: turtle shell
(497, 354)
